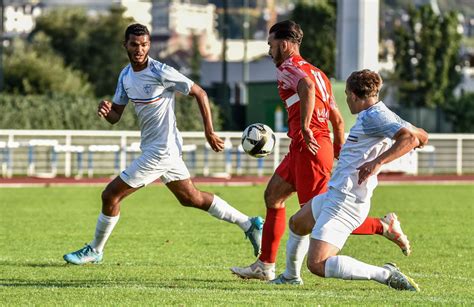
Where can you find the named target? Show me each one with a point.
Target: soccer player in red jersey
(306, 169)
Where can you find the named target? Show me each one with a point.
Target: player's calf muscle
(197, 199)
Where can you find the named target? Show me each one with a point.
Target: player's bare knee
(109, 197)
(317, 268)
(271, 201)
(298, 226)
(267, 195)
(293, 224)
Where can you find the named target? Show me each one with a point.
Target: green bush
(460, 112)
(55, 112)
(189, 117)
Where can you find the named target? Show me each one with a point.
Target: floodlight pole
(224, 51)
(225, 101)
(245, 63)
(2, 14)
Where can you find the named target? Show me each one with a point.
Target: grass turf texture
(164, 254)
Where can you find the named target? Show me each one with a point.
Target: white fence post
(459, 156)
(67, 157)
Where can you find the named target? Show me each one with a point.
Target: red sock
(273, 230)
(370, 226)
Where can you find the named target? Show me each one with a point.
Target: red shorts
(309, 174)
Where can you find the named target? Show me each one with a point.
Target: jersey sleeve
(383, 122)
(120, 96)
(290, 75)
(171, 78)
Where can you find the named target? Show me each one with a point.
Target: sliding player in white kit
(332, 216)
(151, 86)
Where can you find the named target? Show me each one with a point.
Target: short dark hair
(364, 83)
(287, 30)
(136, 29)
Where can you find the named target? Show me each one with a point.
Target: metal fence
(48, 153)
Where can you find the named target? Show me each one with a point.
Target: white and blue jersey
(370, 136)
(152, 92)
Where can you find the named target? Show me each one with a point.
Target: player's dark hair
(364, 83)
(287, 30)
(137, 30)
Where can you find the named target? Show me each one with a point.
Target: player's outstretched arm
(110, 111)
(216, 143)
(337, 124)
(406, 139)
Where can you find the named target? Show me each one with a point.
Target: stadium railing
(448, 154)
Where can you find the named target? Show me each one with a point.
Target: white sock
(296, 248)
(349, 268)
(103, 229)
(223, 211)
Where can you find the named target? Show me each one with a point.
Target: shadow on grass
(97, 283)
(174, 283)
(49, 264)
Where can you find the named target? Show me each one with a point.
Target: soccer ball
(258, 140)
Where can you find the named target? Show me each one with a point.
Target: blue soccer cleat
(83, 256)
(254, 234)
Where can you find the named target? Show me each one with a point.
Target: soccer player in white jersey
(332, 216)
(151, 86)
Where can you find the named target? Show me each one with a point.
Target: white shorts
(337, 215)
(148, 167)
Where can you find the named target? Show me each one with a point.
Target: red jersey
(289, 73)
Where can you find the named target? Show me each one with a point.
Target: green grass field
(163, 254)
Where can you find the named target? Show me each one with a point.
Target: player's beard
(278, 58)
(137, 63)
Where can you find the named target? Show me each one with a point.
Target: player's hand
(310, 141)
(368, 169)
(216, 143)
(104, 108)
(422, 136)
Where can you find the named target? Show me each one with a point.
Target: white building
(20, 18)
(175, 21)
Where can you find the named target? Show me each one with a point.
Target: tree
(427, 58)
(460, 112)
(188, 116)
(90, 44)
(318, 21)
(36, 69)
(195, 59)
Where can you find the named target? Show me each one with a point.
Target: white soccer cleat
(282, 280)
(258, 270)
(393, 231)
